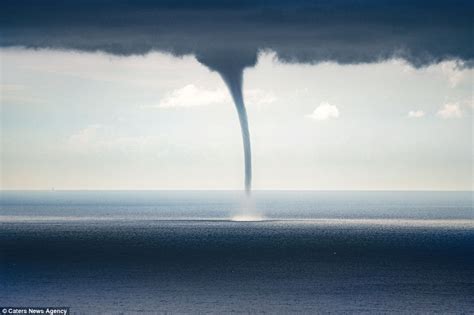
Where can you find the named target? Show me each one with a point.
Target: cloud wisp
(192, 96)
(449, 111)
(416, 113)
(324, 111)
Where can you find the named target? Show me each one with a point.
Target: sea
(219, 252)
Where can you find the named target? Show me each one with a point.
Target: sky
(93, 120)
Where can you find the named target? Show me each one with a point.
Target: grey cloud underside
(418, 31)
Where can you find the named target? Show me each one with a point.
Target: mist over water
(222, 205)
(248, 211)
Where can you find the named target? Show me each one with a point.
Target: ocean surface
(187, 252)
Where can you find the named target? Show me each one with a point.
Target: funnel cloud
(230, 66)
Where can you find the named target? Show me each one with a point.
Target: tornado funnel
(231, 67)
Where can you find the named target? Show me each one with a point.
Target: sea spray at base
(247, 212)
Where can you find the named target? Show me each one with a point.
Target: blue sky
(74, 120)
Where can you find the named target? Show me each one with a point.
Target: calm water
(178, 252)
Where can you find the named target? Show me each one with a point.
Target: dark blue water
(178, 252)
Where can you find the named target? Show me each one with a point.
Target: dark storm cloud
(422, 32)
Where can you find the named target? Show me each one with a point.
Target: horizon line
(238, 190)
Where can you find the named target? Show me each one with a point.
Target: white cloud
(324, 111)
(191, 95)
(450, 110)
(454, 72)
(416, 114)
